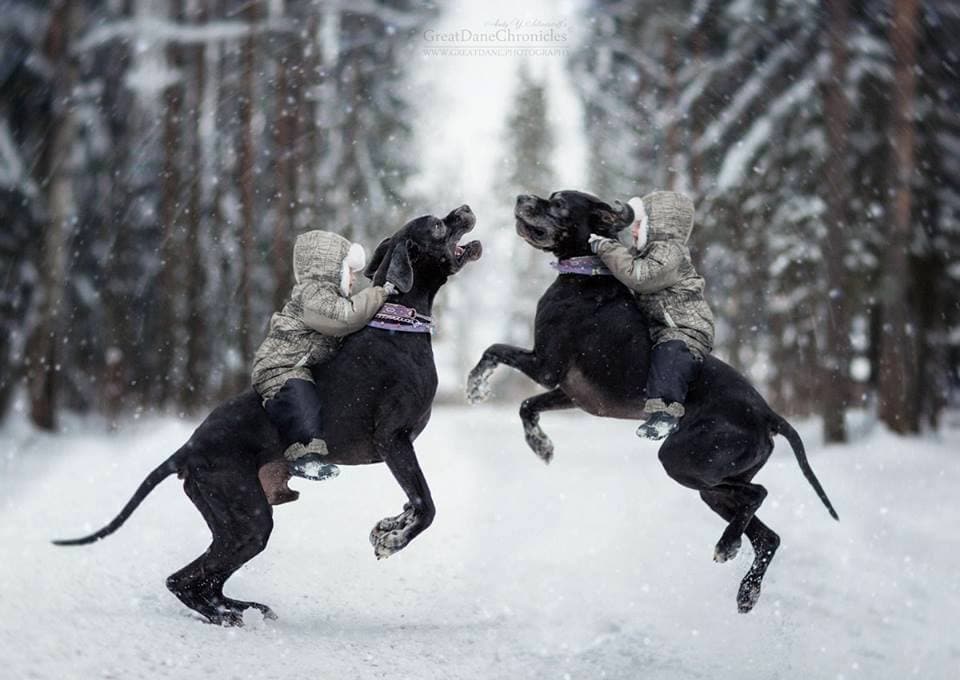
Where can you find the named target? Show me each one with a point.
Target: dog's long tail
(160, 473)
(781, 426)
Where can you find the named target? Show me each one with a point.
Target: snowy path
(595, 567)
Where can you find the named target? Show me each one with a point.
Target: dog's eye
(439, 230)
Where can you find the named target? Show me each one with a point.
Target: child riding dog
(651, 258)
(305, 332)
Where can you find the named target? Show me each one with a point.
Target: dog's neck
(567, 251)
(419, 298)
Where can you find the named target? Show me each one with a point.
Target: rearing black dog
(377, 396)
(592, 349)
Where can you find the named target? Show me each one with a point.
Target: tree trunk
(929, 388)
(286, 172)
(309, 123)
(898, 370)
(169, 276)
(193, 383)
(697, 117)
(116, 392)
(835, 356)
(220, 328)
(44, 355)
(672, 133)
(245, 169)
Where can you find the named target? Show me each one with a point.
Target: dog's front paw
(387, 543)
(538, 440)
(478, 383)
(391, 534)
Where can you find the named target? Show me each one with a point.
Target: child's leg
(295, 412)
(672, 367)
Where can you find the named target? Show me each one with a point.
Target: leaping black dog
(591, 350)
(377, 396)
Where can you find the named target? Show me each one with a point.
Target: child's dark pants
(295, 412)
(672, 368)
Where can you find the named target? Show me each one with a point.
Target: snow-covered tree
(22, 129)
(193, 139)
(528, 145)
(361, 114)
(528, 149)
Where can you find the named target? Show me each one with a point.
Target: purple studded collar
(394, 317)
(585, 265)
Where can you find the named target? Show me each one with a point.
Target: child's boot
(672, 368)
(308, 461)
(295, 412)
(662, 421)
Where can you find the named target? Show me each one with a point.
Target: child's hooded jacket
(659, 270)
(307, 330)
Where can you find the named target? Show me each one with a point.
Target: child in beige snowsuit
(651, 258)
(307, 331)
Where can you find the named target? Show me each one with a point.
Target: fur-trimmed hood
(658, 216)
(669, 215)
(326, 257)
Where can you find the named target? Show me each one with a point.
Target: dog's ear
(377, 258)
(608, 220)
(400, 270)
(624, 213)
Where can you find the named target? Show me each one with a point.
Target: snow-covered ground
(597, 566)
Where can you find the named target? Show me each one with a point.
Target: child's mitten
(595, 241)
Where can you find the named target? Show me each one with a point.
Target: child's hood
(320, 255)
(669, 216)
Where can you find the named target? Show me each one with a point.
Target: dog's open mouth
(461, 225)
(523, 231)
(534, 235)
(467, 252)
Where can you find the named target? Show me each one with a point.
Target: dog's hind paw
(538, 440)
(225, 616)
(726, 550)
(478, 383)
(748, 594)
(391, 534)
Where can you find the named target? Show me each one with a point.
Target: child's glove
(390, 288)
(595, 242)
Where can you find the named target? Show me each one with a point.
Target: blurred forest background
(157, 158)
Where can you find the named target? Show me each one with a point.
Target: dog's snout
(465, 209)
(526, 205)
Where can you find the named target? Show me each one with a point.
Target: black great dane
(376, 399)
(591, 351)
